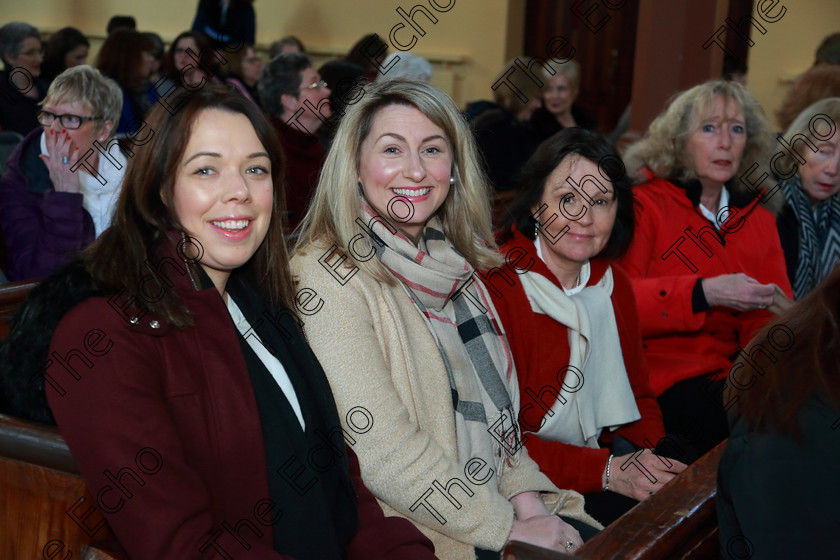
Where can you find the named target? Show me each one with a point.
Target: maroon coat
(304, 159)
(43, 229)
(164, 426)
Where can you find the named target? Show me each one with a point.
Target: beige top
(379, 355)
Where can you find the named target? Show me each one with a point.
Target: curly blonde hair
(662, 150)
(338, 199)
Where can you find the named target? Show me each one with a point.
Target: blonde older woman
(559, 109)
(410, 343)
(706, 261)
(60, 189)
(809, 225)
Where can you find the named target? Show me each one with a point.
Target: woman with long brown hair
(126, 56)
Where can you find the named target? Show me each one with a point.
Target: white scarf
(99, 200)
(596, 390)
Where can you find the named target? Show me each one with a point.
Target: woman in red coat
(571, 321)
(199, 417)
(706, 261)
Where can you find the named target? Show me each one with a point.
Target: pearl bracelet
(609, 463)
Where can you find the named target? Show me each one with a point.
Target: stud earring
(452, 180)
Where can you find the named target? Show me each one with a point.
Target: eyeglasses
(315, 85)
(70, 122)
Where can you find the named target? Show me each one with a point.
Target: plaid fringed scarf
(819, 236)
(463, 322)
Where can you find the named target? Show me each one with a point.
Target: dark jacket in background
(43, 229)
(777, 495)
(545, 124)
(304, 156)
(506, 144)
(18, 112)
(237, 26)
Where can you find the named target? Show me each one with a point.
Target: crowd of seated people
(296, 250)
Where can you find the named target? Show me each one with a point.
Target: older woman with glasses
(63, 179)
(21, 88)
(291, 91)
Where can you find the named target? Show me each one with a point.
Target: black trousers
(694, 418)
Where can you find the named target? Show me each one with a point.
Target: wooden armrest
(35, 443)
(673, 523)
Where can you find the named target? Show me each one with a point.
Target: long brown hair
(143, 219)
(805, 343)
(121, 57)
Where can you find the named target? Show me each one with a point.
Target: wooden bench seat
(677, 523)
(40, 483)
(47, 510)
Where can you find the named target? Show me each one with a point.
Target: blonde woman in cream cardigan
(420, 369)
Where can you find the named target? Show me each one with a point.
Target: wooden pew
(677, 523)
(12, 295)
(40, 483)
(42, 493)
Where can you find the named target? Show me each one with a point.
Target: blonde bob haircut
(338, 199)
(810, 123)
(88, 86)
(663, 151)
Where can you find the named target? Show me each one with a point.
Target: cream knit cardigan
(378, 354)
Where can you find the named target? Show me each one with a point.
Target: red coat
(177, 408)
(681, 344)
(540, 347)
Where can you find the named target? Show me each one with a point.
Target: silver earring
(536, 228)
(452, 180)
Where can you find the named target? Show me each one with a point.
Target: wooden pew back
(12, 295)
(679, 522)
(48, 510)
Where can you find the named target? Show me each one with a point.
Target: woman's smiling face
(404, 167)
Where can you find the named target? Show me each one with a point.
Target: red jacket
(540, 347)
(679, 343)
(177, 408)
